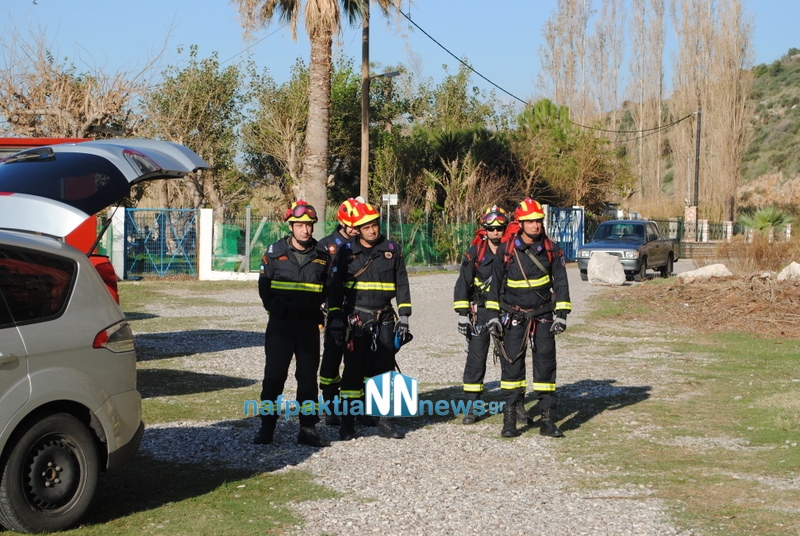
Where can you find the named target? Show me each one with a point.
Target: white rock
(605, 269)
(790, 272)
(706, 272)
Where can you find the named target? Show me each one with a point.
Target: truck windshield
(615, 231)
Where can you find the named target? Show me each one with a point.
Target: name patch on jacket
(387, 254)
(323, 262)
(283, 258)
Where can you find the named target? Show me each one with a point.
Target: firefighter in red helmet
(292, 284)
(534, 300)
(329, 370)
(370, 272)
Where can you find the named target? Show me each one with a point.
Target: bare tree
(712, 74)
(41, 96)
(606, 46)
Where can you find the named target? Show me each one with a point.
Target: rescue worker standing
(478, 315)
(534, 296)
(370, 271)
(292, 285)
(329, 370)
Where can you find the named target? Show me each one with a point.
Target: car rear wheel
(50, 476)
(666, 270)
(641, 275)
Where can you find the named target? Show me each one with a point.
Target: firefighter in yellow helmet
(329, 370)
(293, 284)
(534, 299)
(370, 272)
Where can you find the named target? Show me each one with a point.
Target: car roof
(53, 189)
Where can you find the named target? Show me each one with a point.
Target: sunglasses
(498, 229)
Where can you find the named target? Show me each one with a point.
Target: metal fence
(160, 242)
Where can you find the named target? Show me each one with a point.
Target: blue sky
(501, 39)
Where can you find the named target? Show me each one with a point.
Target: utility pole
(697, 162)
(364, 182)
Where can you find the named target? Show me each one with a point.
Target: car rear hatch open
(52, 190)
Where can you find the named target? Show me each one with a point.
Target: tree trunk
(314, 176)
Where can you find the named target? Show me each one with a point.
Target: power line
(468, 66)
(462, 62)
(282, 26)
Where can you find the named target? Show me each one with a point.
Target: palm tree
(322, 21)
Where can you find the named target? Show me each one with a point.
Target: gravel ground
(443, 478)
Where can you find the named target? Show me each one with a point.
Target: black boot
(308, 435)
(509, 421)
(265, 433)
(388, 429)
(367, 420)
(522, 415)
(470, 417)
(347, 430)
(548, 426)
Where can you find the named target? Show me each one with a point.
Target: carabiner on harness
(375, 330)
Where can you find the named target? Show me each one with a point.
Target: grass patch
(155, 497)
(710, 424)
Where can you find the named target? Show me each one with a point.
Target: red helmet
(300, 211)
(363, 213)
(494, 217)
(529, 210)
(345, 212)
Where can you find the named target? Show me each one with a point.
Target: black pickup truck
(637, 243)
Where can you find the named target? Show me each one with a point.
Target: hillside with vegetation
(771, 170)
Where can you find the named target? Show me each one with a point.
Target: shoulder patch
(332, 249)
(467, 256)
(388, 254)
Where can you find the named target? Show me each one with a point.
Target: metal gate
(565, 227)
(160, 242)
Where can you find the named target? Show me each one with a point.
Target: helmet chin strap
(495, 241)
(303, 243)
(533, 237)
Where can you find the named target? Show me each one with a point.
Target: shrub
(743, 257)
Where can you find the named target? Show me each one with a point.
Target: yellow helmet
(300, 211)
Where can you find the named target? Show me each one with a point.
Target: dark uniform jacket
(525, 285)
(384, 278)
(292, 288)
(475, 279)
(332, 243)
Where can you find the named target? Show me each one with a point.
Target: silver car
(69, 408)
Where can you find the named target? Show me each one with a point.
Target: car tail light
(117, 338)
(141, 161)
(106, 270)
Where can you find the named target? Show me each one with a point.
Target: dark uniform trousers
(512, 376)
(329, 370)
(330, 367)
(362, 362)
(287, 336)
(477, 351)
